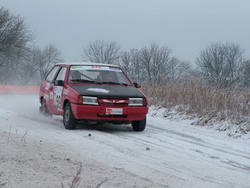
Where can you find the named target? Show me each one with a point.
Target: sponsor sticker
(114, 111)
(57, 97)
(46, 97)
(65, 91)
(95, 67)
(76, 67)
(47, 86)
(99, 90)
(51, 95)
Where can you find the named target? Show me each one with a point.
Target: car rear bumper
(88, 112)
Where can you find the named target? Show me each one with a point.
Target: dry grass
(198, 99)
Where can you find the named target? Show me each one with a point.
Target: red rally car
(93, 92)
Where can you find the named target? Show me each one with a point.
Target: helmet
(75, 74)
(107, 76)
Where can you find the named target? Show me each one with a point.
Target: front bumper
(88, 112)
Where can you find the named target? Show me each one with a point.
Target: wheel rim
(67, 115)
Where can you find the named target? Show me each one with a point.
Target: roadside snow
(37, 151)
(232, 130)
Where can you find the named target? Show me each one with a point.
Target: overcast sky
(185, 26)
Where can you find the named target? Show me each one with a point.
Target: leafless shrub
(199, 99)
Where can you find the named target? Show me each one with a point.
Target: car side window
(52, 74)
(61, 74)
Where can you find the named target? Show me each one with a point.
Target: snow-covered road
(36, 151)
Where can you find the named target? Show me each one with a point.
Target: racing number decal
(58, 97)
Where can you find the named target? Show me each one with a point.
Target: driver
(106, 76)
(75, 75)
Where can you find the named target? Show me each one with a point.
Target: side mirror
(137, 85)
(59, 83)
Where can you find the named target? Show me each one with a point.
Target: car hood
(107, 91)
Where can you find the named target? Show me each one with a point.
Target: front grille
(113, 102)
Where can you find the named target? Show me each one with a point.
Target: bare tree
(235, 61)
(177, 69)
(15, 40)
(155, 61)
(221, 63)
(28, 68)
(19, 61)
(31, 68)
(246, 73)
(131, 64)
(46, 58)
(102, 52)
(14, 36)
(153, 65)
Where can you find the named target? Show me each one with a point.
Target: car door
(55, 101)
(49, 87)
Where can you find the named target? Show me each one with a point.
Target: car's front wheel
(139, 125)
(69, 120)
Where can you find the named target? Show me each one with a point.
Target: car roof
(87, 63)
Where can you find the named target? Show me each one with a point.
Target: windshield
(97, 74)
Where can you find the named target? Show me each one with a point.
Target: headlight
(89, 100)
(135, 102)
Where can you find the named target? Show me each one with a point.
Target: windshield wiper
(76, 80)
(84, 81)
(123, 84)
(109, 82)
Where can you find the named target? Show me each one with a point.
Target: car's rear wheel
(69, 120)
(139, 125)
(43, 108)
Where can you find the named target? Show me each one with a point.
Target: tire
(139, 125)
(43, 108)
(69, 120)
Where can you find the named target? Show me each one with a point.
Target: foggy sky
(185, 26)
